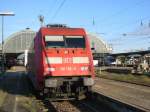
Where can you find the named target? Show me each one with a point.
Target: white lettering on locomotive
(67, 60)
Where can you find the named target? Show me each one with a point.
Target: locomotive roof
(62, 30)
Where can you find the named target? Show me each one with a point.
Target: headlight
(88, 81)
(84, 68)
(50, 69)
(51, 83)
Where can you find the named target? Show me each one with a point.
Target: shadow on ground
(16, 83)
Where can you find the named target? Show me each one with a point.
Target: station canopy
(97, 43)
(21, 41)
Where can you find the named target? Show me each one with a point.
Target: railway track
(75, 106)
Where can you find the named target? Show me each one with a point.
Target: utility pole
(2, 14)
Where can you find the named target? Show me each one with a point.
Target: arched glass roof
(18, 42)
(98, 44)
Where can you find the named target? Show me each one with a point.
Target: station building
(19, 41)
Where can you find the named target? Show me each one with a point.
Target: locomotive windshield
(75, 41)
(65, 41)
(54, 41)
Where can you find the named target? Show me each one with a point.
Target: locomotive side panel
(38, 60)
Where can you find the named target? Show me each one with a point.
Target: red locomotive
(60, 62)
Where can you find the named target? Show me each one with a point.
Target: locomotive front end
(68, 64)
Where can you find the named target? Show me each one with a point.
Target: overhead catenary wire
(54, 4)
(120, 12)
(48, 12)
(106, 19)
(119, 39)
(130, 24)
(133, 23)
(58, 9)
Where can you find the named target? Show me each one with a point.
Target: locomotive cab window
(75, 41)
(54, 41)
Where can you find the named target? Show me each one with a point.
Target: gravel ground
(76, 106)
(129, 93)
(15, 93)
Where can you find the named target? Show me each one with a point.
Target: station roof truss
(98, 44)
(19, 42)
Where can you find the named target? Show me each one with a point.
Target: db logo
(67, 60)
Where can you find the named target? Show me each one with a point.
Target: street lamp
(4, 14)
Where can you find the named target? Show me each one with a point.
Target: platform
(132, 94)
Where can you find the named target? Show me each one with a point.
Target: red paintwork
(41, 53)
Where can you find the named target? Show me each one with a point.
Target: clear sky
(108, 18)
